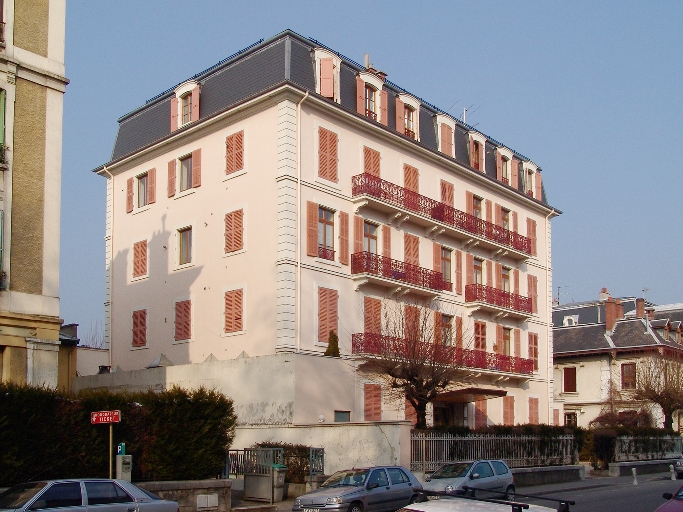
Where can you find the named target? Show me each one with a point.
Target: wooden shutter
(438, 324)
(514, 173)
(411, 246)
(499, 276)
(360, 96)
(447, 193)
(533, 411)
(371, 161)
(498, 349)
(469, 262)
(171, 178)
(234, 311)
(358, 224)
(386, 241)
(489, 210)
(327, 77)
(480, 413)
(183, 320)
(372, 402)
(140, 258)
(498, 214)
(411, 179)
(539, 187)
(531, 234)
(234, 230)
(311, 229)
(472, 152)
(499, 166)
(514, 222)
(400, 113)
(436, 249)
(447, 139)
(458, 272)
(569, 380)
(517, 342)
(508, 410)
(458, 332)
(489, 274)
(194, 114)
(410, 413)
(344, 238)
(532, 284)
(174, 114)
(372, 315)
(197, 168)
(140, 328)
(327, 154)
(384, 107)
(469, 203)
(234, 152)
(556, 417)
(515, 282)
(411, 327)
(152, 186)
(129, 195)
(327, 313)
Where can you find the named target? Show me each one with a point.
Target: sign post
(110, 417)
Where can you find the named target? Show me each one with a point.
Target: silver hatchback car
(377, 489)
(492, 475)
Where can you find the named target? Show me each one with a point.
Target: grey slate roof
(579, 338)
(285, 58)
(592, 312)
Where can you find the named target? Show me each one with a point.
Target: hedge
(172, 435)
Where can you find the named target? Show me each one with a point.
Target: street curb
(571, 489)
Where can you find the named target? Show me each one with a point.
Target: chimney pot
(604, 294)
(650, 313)
(640, 308)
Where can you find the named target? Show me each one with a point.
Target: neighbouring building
(598, 346)
(32, 85)
(287, 192)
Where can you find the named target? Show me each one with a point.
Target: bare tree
(659, 380)
(418, 353)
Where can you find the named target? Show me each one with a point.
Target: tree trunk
(669, 420)
(421, 411)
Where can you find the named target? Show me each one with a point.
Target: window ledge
(140, 348)
(234, 174)
(321, 344)
(184, 266)
(231, 334)
(139, 278)
(141, 209)
(570, 393)
(234, 253)
(181, 342)
(184, 193)
(328, 262)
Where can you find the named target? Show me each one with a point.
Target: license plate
(311, 510)
(433, 497)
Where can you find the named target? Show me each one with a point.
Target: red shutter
(323, 150)
(499, 276)
(411, 178)
(514, 173)
(333, 310)
(234, 311)
(194, 114)
(386, 241)
(197, 168)
(498, 349)
(371, 161)
(539, 187)
(531, 234)
(323, 321)
(438, 324)
(311, 229)
(129, 195)
(518, 343)
(458, 332)
(327, 77)
(469, 262)
(171, 178)
(383, 108)
(489, 274)
(489, 210)
(515, 282)
(234, 152)
(411, 328)
(436, 248)
(357, 234)
(508, 410)
(556, 417)
(446, 139)
(152, 186)
(140, 328)
(372, 315)
(400, 113)
(533, 411)
(480, 414)
(344, 238)
(140, 258)
(514, 222)
(411, 246)
(183, 320)
(174, 114)
(360, 96)
(458, 272)
(372, 402)
(469, 203)
(532, 283)
(234, 229)
(498, 214)
(447, 193)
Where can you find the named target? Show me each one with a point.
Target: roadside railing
(629, 448)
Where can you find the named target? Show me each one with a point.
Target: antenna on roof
(558, 293)
(645, 290)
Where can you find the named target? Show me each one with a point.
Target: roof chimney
(620, 310)
(650, 313)
(640, 308)
(604, 294)
(610, 314)
(367, 61)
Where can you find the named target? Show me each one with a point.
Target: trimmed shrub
(332, 349)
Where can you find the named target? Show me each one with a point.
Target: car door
(401, 488)
(378, 496)
(59, 497)
(503, 473)
(107, 496)
(486, 478)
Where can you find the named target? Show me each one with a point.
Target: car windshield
(451, 471)
(17, 496)
(354, 477)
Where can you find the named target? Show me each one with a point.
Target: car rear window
(499, 467)
(101, 493)
(66, 494)
(451, 470)
(18, 495)
(397, 476)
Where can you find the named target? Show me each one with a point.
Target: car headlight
(334, 501)
(449, 488)
(297, 502)
(679, 462)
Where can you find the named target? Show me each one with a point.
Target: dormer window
(409, 121)
(370, 102)
(408, 116)
(327, 66)
(185, 105)
(505, 171)
(529, 182)
(186, 108)
(476, 163)
(446, 130)
(371, 99)
(477, 144)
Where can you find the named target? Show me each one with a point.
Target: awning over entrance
(470, 394)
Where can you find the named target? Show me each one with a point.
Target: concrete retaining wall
(643, 467)
(194, 495)
(525, 477)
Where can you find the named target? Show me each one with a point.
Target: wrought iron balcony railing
(369, 263)
(409, 133)
(369, 113)
(379, 345)
(367, 184)
(496, 297)
(325, 253)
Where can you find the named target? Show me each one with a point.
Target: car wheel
(510, 493)
(356, 506)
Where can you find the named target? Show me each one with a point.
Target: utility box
(124, 467)
(279, 472)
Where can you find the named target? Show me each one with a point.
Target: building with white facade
(288, 192)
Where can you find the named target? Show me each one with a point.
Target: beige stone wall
(14, 365)
(31, 25)
(28, 181)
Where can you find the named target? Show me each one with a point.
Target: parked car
(74, 495)
(674, 502)
(458, 504)
(678, 467)
(376, 489)
(492, 475)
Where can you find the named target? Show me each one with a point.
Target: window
(183, 320)
(142, 190)
(185, 246)
(479, 335)
(325, 234)
(342, 417)
(529, 182)
(371, 160)
(397, 476)
(478, 271)
(570, 320)
(477, 207)
(379, 477)
(234, 231)
(234, 311)
(372, 402)
(186, 108)
(102, 493)
(500, 467)
(505, 169)
(409, 121)
(140, 328)
(476, 150)
(533, 348)
(60, 495)
(505, 349)
(446, 255)
(569, 380)
(328, 313)
(570, 419)
(533, 411)
(505, 218)
(628, 376)
(140, 259)
(483, 469)
(505, 279)
(186, 173)
(369, 238)
(328, 143)
(370, 102)
(234, 152)
(447, 329)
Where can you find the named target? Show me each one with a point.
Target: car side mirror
(667, 496)
(373, 485)
(474, 476)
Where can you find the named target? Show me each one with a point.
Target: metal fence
(258, 461)
(429, 450)
(647, 448)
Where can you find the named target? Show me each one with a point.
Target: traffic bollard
(673, 473)
(635, 477)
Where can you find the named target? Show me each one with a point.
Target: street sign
(121, 449)
(105, 417)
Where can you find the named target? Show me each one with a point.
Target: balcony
(390, 273)
(389, 197)
(498, 301)
(409, 133)
(369, 113)
(379, 345)
(325, 253)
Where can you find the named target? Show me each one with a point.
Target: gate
(256, 464)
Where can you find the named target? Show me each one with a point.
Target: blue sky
(590, 91)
